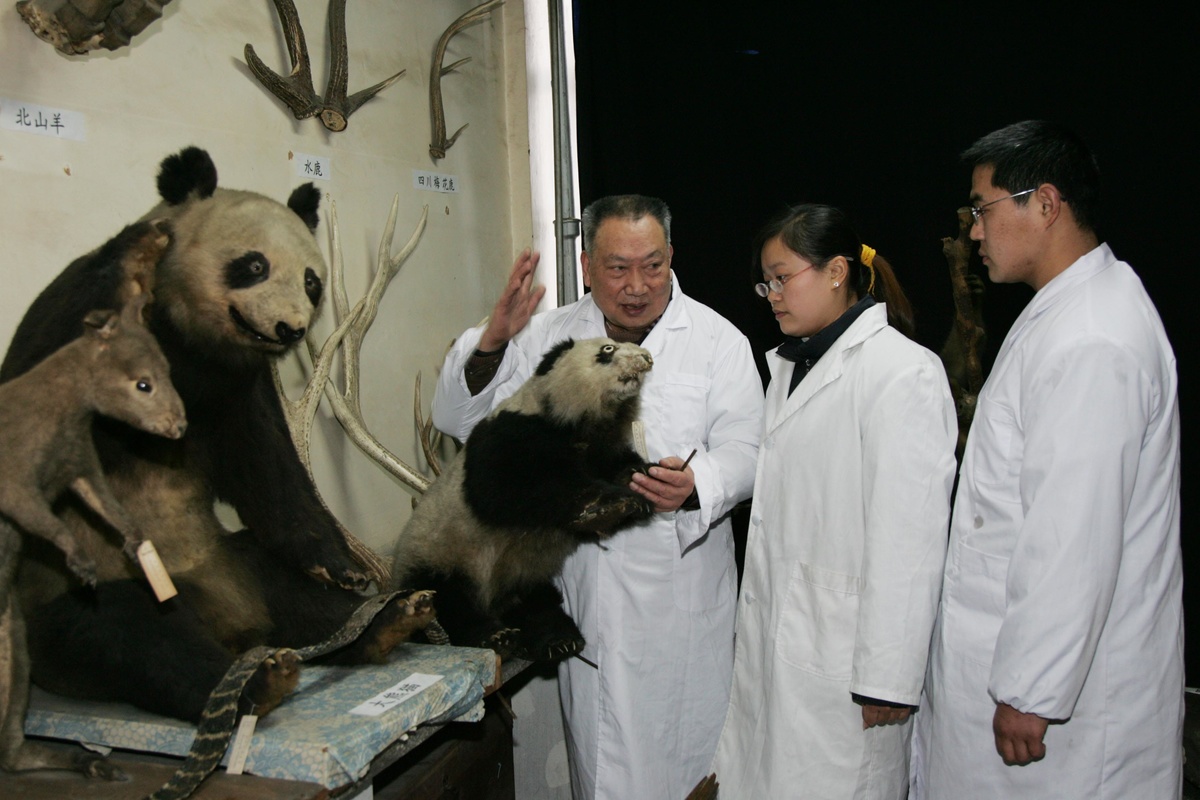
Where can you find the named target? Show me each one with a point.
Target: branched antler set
(296, 90)
(351, 325)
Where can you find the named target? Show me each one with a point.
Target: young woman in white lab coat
(848, 527)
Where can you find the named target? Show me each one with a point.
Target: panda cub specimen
(548, 470)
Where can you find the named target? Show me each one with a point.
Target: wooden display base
(147, 774)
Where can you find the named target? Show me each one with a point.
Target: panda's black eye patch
(313, 286)
(605, 356)
(247, 270)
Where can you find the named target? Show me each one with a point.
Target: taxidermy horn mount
(76, 27)
(296, 90)
(440, 144)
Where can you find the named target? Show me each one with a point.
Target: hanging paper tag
(241, 744)
(639, 439)
(156, 573)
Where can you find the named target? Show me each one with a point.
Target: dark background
(729, 114)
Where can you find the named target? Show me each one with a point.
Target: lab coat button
(978, 521)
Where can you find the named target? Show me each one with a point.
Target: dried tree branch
(440, 144)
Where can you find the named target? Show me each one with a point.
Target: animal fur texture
(239, 285)
(117, 369)
(547, 471)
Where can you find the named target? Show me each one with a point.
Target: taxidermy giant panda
(239, 284)
(547, 471)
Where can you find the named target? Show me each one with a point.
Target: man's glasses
(977, 211)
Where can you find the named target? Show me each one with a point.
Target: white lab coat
(656, 604)
(843, 569)
(1062, 593)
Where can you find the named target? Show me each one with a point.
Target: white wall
(184, 82)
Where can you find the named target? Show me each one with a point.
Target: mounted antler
(296, 90)
(431, 437)
(352, 325)
(440, 144)
(346, 405)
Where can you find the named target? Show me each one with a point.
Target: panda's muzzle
(636, 367)
(286, 334)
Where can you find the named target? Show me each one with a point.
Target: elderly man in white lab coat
(1057, 661)
(656, 603)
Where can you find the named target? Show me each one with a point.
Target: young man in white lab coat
(1057, 662)
(656, 604)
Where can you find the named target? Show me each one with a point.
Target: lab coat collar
(828, 369)
(1062, 285)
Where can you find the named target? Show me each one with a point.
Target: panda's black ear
(189, 170)
(305, 201)
(553, 354)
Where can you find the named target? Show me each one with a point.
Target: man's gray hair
(623, 206)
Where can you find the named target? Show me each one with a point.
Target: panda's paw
(503, 641)
(276, 678)
(606, 514)
(551, 649)
(626, 476)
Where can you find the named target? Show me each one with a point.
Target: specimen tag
(156, 573)
(241, 744)
(639, 439)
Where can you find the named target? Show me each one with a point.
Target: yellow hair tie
(868, 260)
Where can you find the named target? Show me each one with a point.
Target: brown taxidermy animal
(46, 449)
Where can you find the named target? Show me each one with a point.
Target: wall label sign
(309, 166)
(435, 182)
(42, 120)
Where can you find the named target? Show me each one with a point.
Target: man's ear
(587, 272)
(1049, 202)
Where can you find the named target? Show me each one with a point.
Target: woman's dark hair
(819, 233)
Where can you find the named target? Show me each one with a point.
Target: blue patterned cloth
(311, 736)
